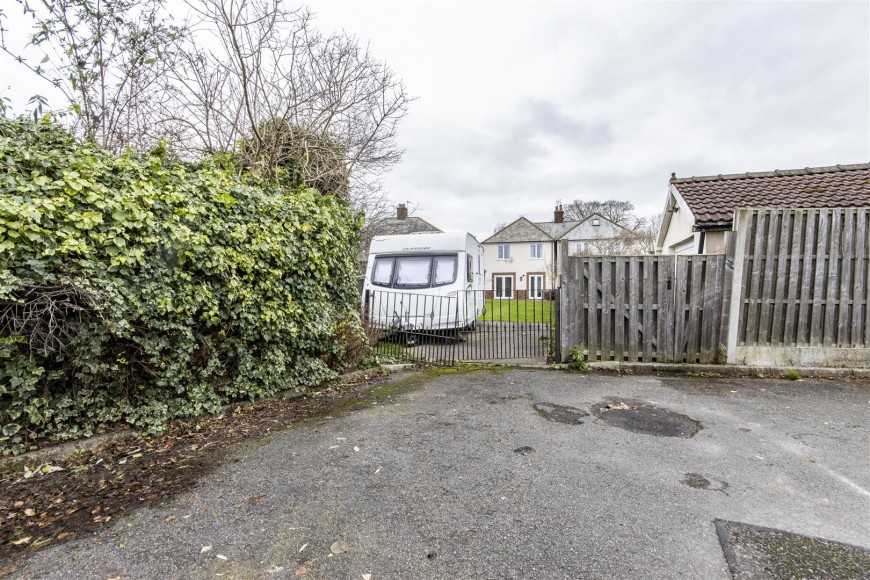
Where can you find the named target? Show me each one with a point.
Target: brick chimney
(401, 212)
(559, 214)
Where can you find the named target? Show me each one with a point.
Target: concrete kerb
(730, 370)
(695, 369)
(69, 448)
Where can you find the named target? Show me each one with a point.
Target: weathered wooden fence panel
(793, 289)
(700, 304)
(644, 308)
(802, 287)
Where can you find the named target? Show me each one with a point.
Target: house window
(537, 250)
(504, 285)
(596, 222)
(578, 247)
(536, 286)
(504, 251)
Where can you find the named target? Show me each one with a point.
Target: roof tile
(713, 199)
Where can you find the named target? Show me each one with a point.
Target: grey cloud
(538, 124)
(606, 101)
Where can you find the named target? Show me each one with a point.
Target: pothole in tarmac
(560, 413)
(639, 417)
(698, 481)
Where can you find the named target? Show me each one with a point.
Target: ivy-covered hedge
(136, 289)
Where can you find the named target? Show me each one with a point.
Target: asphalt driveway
(466, 476)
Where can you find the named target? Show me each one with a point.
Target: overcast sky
(523, 104)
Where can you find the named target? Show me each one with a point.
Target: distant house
(521, 259)
(699, 211)
(403, 224)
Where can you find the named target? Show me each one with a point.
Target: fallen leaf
(19, 503)
(29, 513)
(205, 549)
(42, 542)
(221, 557)
(339, 547)
(812, 459)
(23, 540)
(63, 535)
(301, 571)
(170, 518)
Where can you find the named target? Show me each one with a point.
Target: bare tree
(109, 59)
(646, 233)
(248, 78)
(619, 212)
(338, 108)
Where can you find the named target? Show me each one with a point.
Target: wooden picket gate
(645, 308)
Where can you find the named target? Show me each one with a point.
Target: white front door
(536, 286)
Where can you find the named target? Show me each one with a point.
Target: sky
(520, 105)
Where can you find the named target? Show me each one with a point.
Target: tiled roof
(521, 230)
(555, 230)
(714, 198)
(408, 225)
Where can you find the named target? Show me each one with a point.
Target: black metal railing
(461, 326)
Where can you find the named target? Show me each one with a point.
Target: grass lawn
(518, 311)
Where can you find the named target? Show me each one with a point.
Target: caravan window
(382, 273)
(413, 271)
(445, 270)
(469, 262)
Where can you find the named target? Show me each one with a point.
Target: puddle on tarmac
(639, 417)
(560, 413)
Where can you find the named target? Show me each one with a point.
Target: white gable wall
(678, 235)
(587, 233)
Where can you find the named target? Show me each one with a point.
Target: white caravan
(424, 283)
